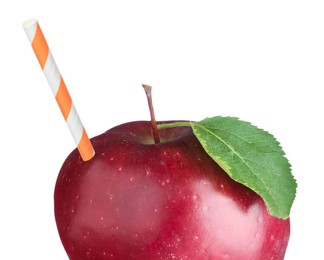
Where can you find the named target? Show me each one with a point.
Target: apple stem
(148, 92)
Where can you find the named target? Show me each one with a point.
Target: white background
(262, 61)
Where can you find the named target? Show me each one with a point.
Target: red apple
(137, 199)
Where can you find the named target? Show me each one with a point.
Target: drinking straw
(55, 80)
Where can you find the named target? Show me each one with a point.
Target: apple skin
(139, 200)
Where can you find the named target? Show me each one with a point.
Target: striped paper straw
(55, 80)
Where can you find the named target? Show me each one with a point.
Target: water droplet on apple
(131, 179)
(111, 158)
(101, 218)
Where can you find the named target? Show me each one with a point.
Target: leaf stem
(172, 125)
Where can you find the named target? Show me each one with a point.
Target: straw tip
(29, 22)
(88, 157)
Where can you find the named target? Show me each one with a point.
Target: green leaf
(250, 156)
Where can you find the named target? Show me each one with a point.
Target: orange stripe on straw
(61, 93)
(40, 47)
(85, 146)
(64, 100)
